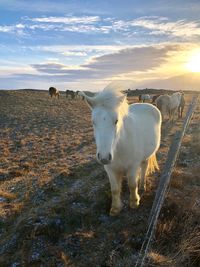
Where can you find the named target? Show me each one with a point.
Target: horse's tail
(152, 164)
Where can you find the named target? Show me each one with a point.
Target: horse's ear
(89, 100)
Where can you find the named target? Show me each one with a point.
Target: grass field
(55, 197)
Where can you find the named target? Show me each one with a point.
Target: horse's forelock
(109, 98)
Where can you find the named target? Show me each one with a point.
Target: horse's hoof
(114, 211)
(135, 204)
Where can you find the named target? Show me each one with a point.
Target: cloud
(75, 53)
(159, 25)
(78, 50)
(189, 81)
(67, 20)
(16, 29)
(142, 26)
(82, 24)
(155, 25)
(138, 65)
(138, 59)
(51, 68)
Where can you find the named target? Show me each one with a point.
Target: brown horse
(54, 92)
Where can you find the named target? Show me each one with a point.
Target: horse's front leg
(115, 184)
(133, 177)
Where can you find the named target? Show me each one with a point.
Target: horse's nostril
(98, 156)
(109, 157)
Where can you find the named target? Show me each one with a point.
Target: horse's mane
(110, 98)
(176, 93)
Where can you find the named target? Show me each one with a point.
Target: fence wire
(164, 182)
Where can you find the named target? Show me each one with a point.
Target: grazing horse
(175, 100)
(71, 94)
(163, 104)
(127, 138)
(143, 98)
(54, 92)
(181, 106)
(78, 95)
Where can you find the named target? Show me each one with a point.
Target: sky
(86, 45)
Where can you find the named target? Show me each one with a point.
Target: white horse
(163, 104)
(127, 138)
(181, 106)
(145, 97)
(175, 100)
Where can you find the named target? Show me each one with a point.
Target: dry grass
(189, 248)
(178, 232)
(57, 198)
(7, 195)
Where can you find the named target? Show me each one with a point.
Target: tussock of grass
(159, 259)
(178, 231)
(8, 195)
(189, 248)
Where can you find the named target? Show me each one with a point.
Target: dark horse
(71, 94)
(54, 92)
(154, 98)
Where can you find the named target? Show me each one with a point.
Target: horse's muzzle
(104, 160)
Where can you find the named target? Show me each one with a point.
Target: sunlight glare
(193, 63)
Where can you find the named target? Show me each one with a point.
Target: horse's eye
(116, 122)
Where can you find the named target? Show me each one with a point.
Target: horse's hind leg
(115, 183)
(162, 110)
(179, 112)
(144, 167)
(132, 176)
(182, 108)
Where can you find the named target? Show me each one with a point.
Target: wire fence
(164, 184)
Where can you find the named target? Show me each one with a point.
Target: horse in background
(54, 92)
(175, 101)
(79, 96)
(170, 105)
(127, 138)
(162, 102)
(181, 106)
(143, 98)
(70, 94)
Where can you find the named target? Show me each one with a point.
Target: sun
(193, 64)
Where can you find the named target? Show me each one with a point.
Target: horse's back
(146, 110)
(144, 124)
(175, 100)
(163, 99)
